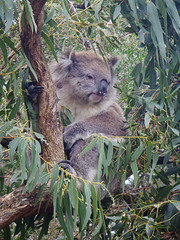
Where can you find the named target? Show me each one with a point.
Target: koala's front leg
(85, 166)
(73, 133)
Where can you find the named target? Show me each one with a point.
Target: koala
(84, 85)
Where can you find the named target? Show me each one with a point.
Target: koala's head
(84, 79)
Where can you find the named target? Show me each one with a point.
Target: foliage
(153, 112)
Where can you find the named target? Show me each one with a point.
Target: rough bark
(48, 122)
(17, 204)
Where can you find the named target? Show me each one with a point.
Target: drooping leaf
(117, 11)
(89, 147)
(50, 44)
(9, 42)
(30, 15)
(173, 13)
(4, 50)
(15, 109)
(73, 196)
(62, 222)
(98, 6)
(94, 199)
(155, 160)
(156, 26)
(88, 205)
(55, 174)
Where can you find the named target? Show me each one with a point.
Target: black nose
(103, 87)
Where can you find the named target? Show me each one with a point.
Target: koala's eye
(90, 77)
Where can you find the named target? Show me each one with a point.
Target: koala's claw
(33, 89)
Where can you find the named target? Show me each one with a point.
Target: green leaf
(89, 147)
(66, 11)
(176, 204)
(44, 178)
(62, 222)
(55, 174)
(6, 128)
(88, 205)
(50, 16)
(37, 176)
(94, 199)
(174, 15)
(9, 43)
(50, 44)
(100, 223)
(178, 49)
(117, 11)
(162, 175)
(32, 174)
(30, 15)
(138, 152)
(8, 15)
(37, 152)
(55, 196)
(45, 226)
(73, 196)
(13, 146)
(4, 51)
(148, 154)
(135, 15)
(98, 6)
(175, 131)
(22, 150)
(29, 65)
(163, 193)
(155, 159)
(15, 109)
(135, 172)
(1, 153)
(156, 26)
(109, 155)
(68, 215)
(101, 156)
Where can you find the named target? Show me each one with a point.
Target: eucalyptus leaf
(88, 205)
(156, 26)
(4, 50)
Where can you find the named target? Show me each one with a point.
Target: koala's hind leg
(85, 166)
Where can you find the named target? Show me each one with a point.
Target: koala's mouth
(95, 98)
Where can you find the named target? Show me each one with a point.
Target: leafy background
(145, 36)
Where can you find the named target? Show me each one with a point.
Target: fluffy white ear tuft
(60, 70)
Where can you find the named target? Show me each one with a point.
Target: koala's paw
(33, 90)
(69, 137)
(73, 133)
(66, 165)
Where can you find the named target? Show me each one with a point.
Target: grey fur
(84, 84)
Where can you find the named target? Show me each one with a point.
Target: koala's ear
(71, 56)
(113, 60)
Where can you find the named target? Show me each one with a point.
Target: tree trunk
(48, 122)
(17, 204)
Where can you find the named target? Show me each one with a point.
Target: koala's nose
(103, 87)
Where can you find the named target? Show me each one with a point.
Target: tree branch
(16, 205)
